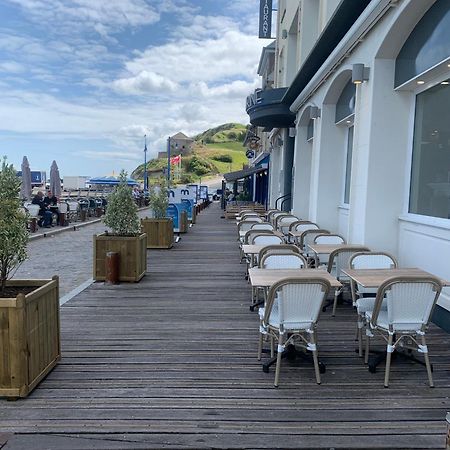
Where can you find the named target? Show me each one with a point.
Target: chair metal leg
(336, 295)
(360, 335)
(279, 353)
(427, 361)
(389, 351)
(366, 356)
(315, 357)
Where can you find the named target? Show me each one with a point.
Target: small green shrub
(199, 166)
(223, 158)
(13, 224)
(122, 212)
(159, 199)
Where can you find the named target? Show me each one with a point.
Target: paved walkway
(67, 254)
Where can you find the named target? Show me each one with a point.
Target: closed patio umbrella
(55, 180)
(25, 189)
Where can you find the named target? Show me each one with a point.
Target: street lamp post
(168, 162)
(145, 164)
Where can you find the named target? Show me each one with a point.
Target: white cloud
(12, 67)
(187, 60)
(235, 89)
(144, 82)
(102, 16)
(108, 155)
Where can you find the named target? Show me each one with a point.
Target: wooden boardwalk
(170, 362)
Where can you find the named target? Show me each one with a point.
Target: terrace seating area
(68, 210)
(173, 362)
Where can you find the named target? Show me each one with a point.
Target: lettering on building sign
(254, 99)
(265, 19)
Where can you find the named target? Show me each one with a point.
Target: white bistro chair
(364, 298)
(290, 317)
(410, 303)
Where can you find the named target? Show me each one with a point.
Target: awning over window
(241, 174)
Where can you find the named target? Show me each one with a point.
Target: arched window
(345, 105)
(345, 112)
(427, 45)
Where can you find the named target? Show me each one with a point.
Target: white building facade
(369, 157)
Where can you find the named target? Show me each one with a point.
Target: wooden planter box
(159, 232)
(133, 256)
(29, 336)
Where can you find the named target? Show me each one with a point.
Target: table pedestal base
(292, 353)
(380, 356)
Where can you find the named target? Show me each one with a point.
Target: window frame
(406, 215)
(347, 123)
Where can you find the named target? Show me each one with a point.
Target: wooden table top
(268, 277)
(329, 248)
(252, 249)
(276, 233)
(375, 277)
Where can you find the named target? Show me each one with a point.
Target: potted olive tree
(29, 309)
(159, 229)
(124, 238)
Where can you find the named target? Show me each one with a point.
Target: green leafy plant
(159, 199)
(199, 166)
(223, 158)
(13, 224)
(122, 212)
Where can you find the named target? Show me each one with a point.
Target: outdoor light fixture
(314, 112)
(284, 34)
(292, 132)
(360, 73)
(421, 82)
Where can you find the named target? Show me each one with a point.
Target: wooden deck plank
(171, 362)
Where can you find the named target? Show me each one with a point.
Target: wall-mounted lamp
(360, 73)
(314, 112)
(292, 132)
(284, 34)
(279, 141)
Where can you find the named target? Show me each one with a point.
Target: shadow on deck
(171, 363)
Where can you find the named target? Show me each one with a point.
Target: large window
(430, 172)
(348, 165)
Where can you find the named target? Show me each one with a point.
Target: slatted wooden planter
(159, 232)
(29, 336)
(133, 256)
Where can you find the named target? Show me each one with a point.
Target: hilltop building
(180, 144)
(353, 110)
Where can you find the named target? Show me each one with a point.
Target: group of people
(48, 205)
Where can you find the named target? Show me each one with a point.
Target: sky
(82, 81)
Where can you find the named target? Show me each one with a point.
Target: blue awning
(111, 181)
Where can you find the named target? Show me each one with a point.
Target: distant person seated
(230, 197)
(46, 215)
(51, 202)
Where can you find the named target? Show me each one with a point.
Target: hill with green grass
(215, 151)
